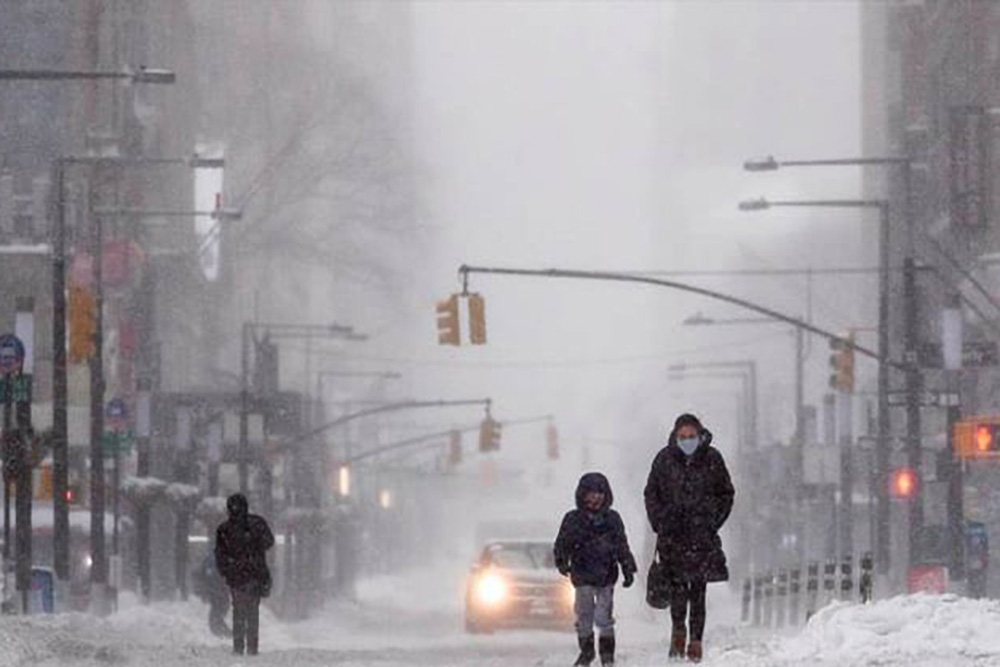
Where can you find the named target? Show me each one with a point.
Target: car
(515, 584)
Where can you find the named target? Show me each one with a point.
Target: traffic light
(904, 483)
(977, 438)
(986, 439)
(490, 431)
(477, 319)
(455, 448)
(552, 442)
(449, 331)
(842, 364)
(82, 324)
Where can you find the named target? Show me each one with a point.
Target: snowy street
(392, 624)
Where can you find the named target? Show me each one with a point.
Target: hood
(706, 440)
(237, 506)
(594, 481)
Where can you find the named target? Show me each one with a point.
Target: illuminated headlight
(491, 589)
(569, 594)
(88, 561)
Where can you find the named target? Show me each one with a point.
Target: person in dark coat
(689, 496)
(212, 588)
(241, 545)
(590, 547)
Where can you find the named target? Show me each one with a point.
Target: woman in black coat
(689, 496)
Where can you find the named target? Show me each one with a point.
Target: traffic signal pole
(645, 279)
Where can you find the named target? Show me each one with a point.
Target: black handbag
(657, 585)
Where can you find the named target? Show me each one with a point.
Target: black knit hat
(687, 419)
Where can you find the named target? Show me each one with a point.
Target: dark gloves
(628, 580)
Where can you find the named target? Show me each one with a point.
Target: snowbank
(912, 626)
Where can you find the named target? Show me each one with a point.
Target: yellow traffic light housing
(449, 331)
(82, 324)
(490, 431)
(477, 319)
(842, 364)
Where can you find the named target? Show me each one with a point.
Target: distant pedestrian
(590, 548)
(211, 587)
(241, 545)
(689, 496)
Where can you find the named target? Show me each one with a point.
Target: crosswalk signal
(449, 331)
(552, 442)
(477, 319)
(82, 324)
(490, 432)
(842, 364)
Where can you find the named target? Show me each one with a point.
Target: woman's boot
(678, 643)
(694, 651)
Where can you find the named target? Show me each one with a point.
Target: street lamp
(60, 425)
(914, 380)
(882, 448)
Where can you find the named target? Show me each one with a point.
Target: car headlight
(569, 594)
(491, 589)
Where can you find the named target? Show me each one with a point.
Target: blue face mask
(688, 445)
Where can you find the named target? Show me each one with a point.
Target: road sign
(119, 444)
(116, 414)
(11, 355)
(932, 399)
(16, 390)
(977, 353)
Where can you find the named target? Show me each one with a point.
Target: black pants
(246, 621)
(682, 595)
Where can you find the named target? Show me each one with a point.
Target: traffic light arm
(409, 443)
(388, 407)
(465, 270)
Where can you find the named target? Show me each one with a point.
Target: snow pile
(905, 627)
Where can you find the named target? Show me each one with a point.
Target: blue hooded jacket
(591, 545)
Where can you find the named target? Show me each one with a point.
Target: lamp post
(882, 447)
(914, 378)
(97, 380)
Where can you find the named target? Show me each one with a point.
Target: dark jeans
(688, 593)
(246, 621)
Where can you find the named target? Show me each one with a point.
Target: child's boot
(606, 648)
(587, 653)
(678, 643)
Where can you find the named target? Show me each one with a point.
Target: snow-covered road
(395, 623)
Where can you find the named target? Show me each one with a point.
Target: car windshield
(520, 556)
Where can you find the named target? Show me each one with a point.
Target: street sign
(932, 399)
(11, 355)
(118, 444)
(975, 354)
(116, 414)
(16, 390)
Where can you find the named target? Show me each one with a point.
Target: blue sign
(11, 355)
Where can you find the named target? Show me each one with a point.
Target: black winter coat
(591, 545)
(241, 544)
(688, 499)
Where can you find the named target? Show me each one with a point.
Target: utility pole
(99, 568)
